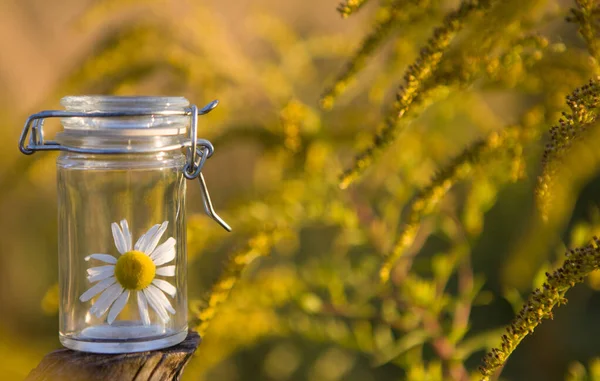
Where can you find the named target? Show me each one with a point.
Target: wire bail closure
(197, 150)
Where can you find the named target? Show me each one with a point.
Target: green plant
(388, 276)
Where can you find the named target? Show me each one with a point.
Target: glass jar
(122, 227)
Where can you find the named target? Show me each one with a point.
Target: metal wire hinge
(198, 150)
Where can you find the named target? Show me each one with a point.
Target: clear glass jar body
(122, 244)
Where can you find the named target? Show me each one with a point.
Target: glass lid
(160, 117)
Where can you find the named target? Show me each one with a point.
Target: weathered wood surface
(164, 364)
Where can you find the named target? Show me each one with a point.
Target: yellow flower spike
(585, 16)
(259, 245)
(293, 117)
(390, 16)
(349, 7)
(579, 264)
(499, 143)
(415, 77)
(584, 104)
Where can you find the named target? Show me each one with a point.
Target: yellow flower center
(135, 270)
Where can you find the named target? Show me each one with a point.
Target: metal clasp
(198, 150)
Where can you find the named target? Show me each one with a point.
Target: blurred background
(312, 307)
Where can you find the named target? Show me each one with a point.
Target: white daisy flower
(134, 272)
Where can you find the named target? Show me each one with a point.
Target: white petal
(96, 289)
(153, 241)
(126, 234)
(165, 257)
(156, 305)
(165, 286)
(100, 269)
(145, 237)
(166, 271)
(164, 253)
(164, 247)
(139, 242)
(106, 299)
(119, 239)
(162, 299)
(102, 257)
(143, 308)
(100, 275)
(116, 309)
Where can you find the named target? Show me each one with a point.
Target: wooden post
(164, 364)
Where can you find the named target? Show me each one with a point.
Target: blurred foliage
(458, 198)
(578, 372)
